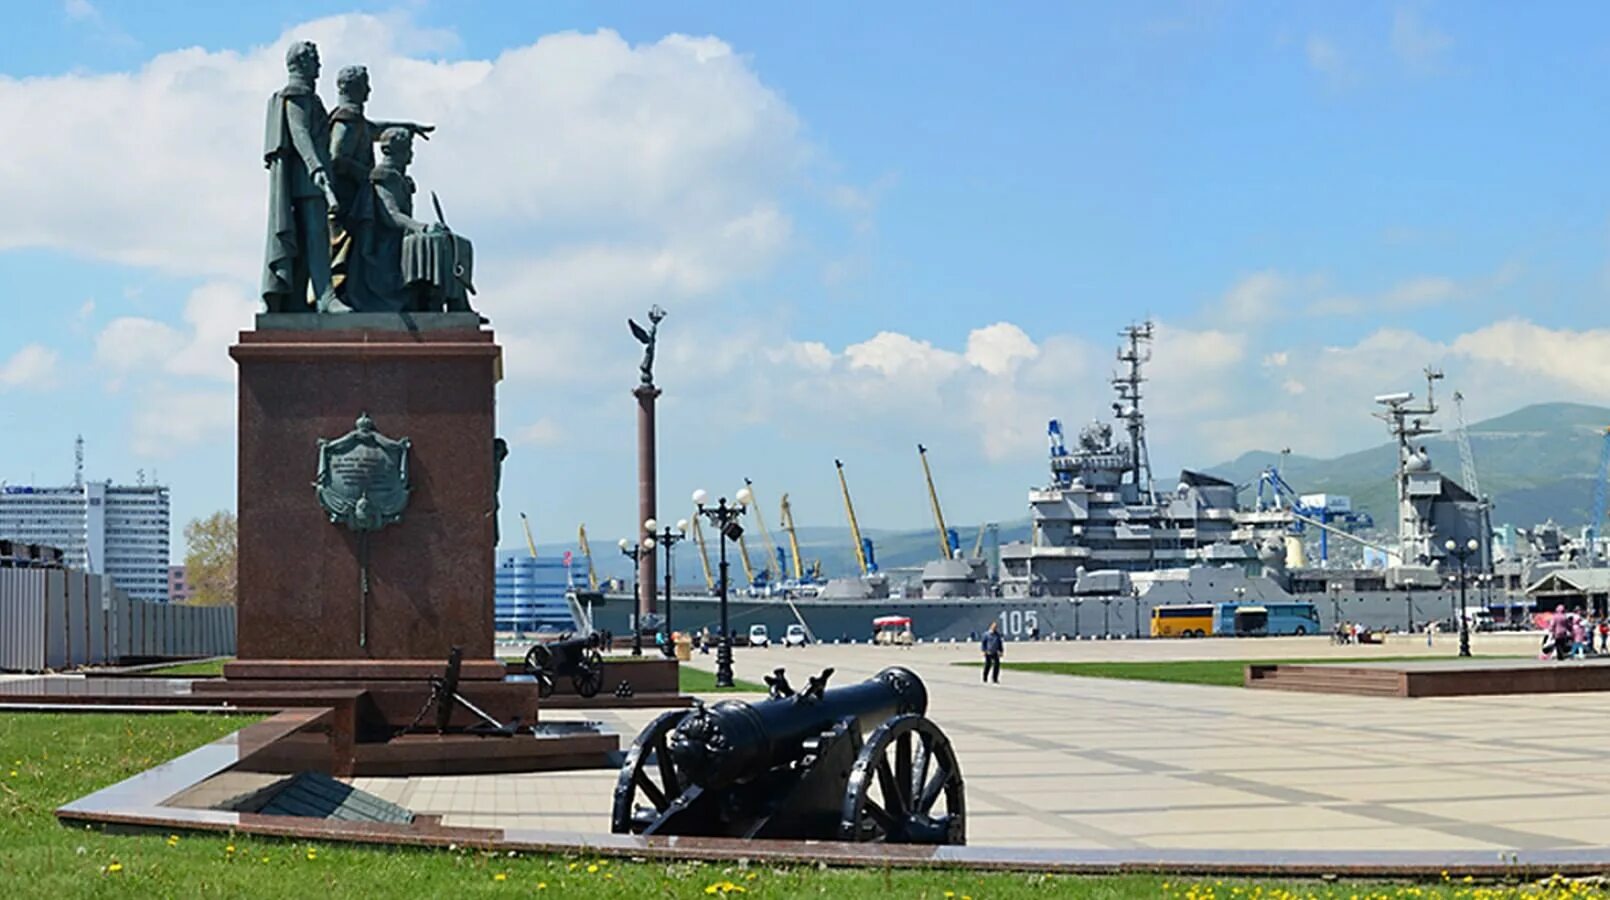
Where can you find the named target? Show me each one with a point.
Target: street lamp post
(1335, 589)
(1462, 553)
(1134, 595)
(1106, 617)
(725, 519)
(634, 552)
(668, 539)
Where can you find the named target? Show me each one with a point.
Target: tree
(210, 561)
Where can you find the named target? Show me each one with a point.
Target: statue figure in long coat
(300, 196)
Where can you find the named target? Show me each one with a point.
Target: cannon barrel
(733, 741)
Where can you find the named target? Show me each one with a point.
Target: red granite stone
(431, 574)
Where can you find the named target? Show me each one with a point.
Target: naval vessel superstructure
(1107, 545)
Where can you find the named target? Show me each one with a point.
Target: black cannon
(853, 763)
(575, 657)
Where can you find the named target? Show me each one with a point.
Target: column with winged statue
(646, 393)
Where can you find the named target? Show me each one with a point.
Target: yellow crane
(855, 529)
(978, 542)
(787, 516)
(743, 557)
(704, 552)
(772, 566)
(933, 499)
(587, 554)
(529, 541)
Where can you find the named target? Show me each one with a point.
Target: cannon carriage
(577, 658)
(858, 763)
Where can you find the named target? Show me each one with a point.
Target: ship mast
(1406, 423)
(1127, 408)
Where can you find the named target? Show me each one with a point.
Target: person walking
(993, 646)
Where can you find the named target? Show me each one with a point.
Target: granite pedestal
(429, 378)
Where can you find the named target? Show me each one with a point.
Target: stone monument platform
(428, 378)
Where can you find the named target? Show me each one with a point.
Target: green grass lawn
(698, 681)
(207, 668)
(1223, 672)
(49, 759)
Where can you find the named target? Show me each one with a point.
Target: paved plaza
(1058, 761)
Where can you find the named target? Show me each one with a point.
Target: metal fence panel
(22, 620)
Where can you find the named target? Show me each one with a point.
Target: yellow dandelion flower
(500, 877)
(609, 874)
(592, 870)
(114, 868)
(572, 867)
(542, 885)
(13, 773)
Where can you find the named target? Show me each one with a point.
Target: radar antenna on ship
(1127, 408)
(1406, 422)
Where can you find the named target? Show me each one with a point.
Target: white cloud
(1256, 296)
(175, 419)
(1419, 292)
(214, 312)
(1416, 43)
(1577, 360)
(544, 432)
(1325, 58)
(614, 173)
(81, 11)
(33, 366)
(1000, 348)
(131, 345)
(894, 355)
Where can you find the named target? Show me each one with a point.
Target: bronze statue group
(342, 236)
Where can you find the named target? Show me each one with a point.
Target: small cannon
(854, 763)
(575, 657)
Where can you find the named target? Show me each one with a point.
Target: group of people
(1351, 633)
(1573, 635)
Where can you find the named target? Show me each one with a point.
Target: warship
(1107, 544)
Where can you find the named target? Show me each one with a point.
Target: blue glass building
(531, 593)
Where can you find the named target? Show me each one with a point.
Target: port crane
(774, 556)
(704, 553)
(587, 554)
(1281, 495)
(947, 540)
(863, 554)
(530, 542)
(786, 516)
(1601, 494)
(1467, 459)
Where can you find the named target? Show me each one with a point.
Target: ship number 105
(1016, 622)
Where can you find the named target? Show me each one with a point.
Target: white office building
(109, 529)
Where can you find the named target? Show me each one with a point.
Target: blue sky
(874, 224)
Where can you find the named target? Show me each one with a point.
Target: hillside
(1536, 463)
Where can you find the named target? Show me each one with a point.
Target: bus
(1182, 620)
(1256, 620)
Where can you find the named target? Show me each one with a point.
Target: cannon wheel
(589, 675)
(539, 665)
(648, 768)
(906, 787)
